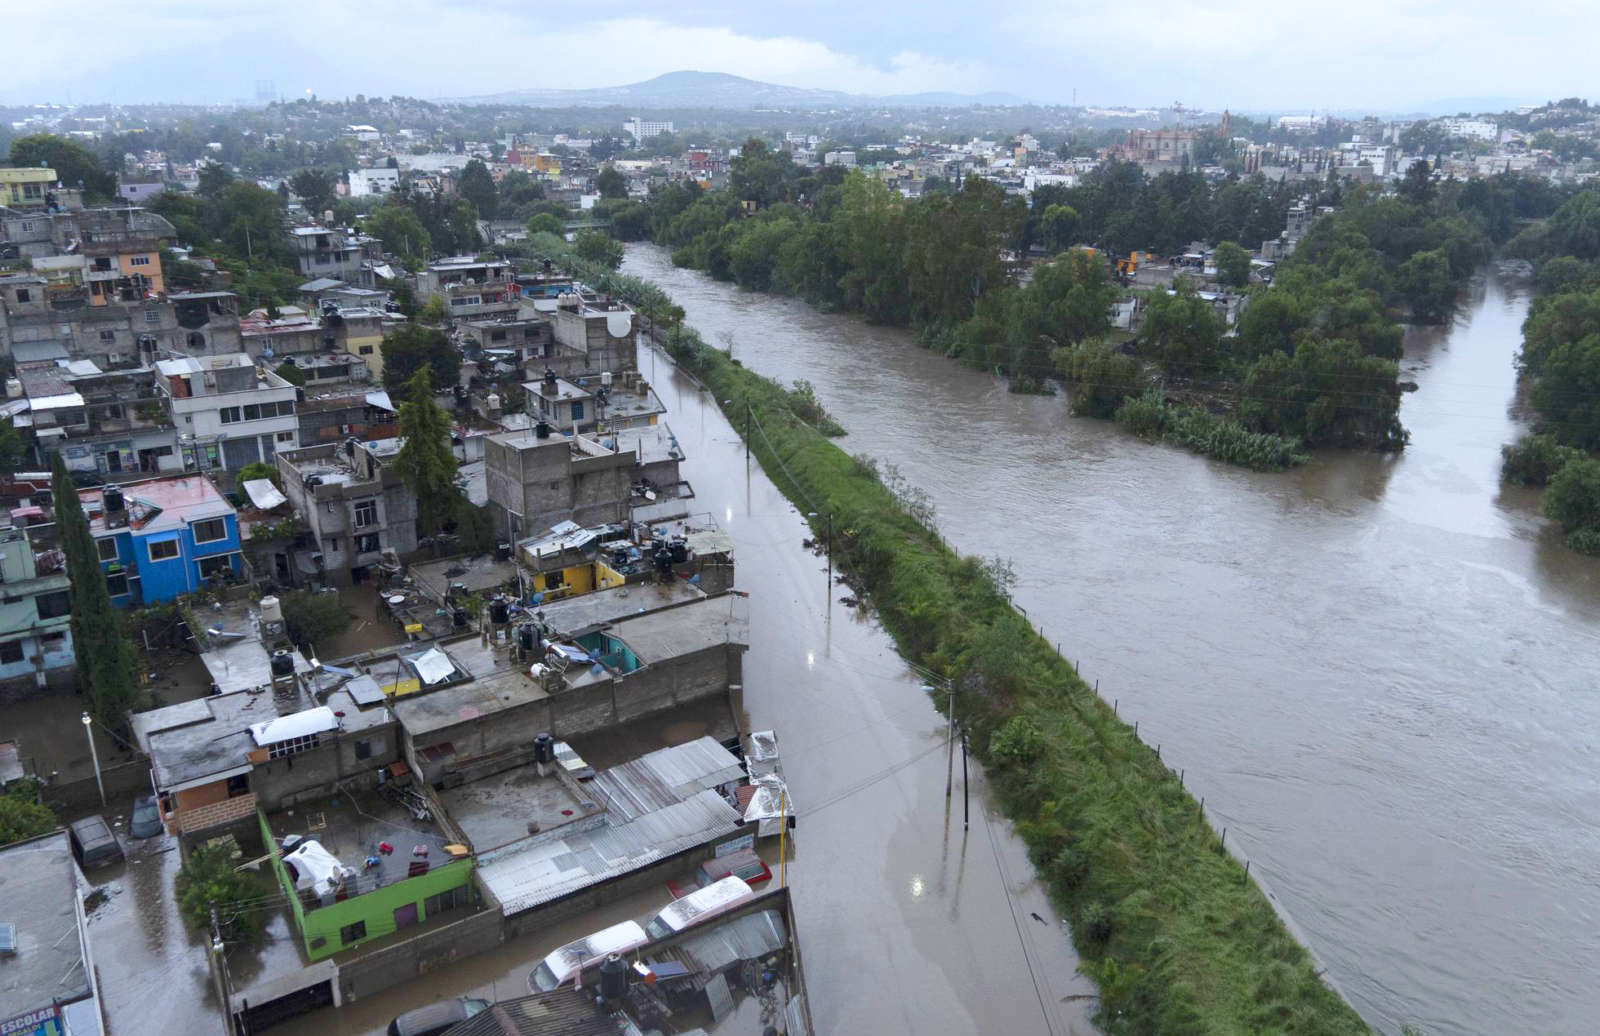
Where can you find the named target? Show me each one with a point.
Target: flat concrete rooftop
(506, 807)
(496, 692)
(483, 572)
(352, 827)
(38, 894)
(586, 611)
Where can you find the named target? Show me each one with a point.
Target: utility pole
(218, 963)
(966, 806)
(94, 754)
(749, 417)
(950, 738)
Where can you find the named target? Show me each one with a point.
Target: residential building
(335, 414)
(35, 616)
(841, 158)
(137, 192)
(48, 982)
(643, 129)
(471, 288)
(26, 187)
(606, 402)
(162, 537)
(591, 333)
(364, 134)
(227, 411)
(345, 255)
(354, 504)
(126, 425)
(1472, 129)
(364, 183)
(536, 479)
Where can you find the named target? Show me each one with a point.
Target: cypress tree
(425, 461)
(105, 658)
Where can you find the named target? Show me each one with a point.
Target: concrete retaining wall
(122, 782)
(430, 949)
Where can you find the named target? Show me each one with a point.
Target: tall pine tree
(104, 656)
(425, 460)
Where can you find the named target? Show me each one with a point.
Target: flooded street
(1377, 670)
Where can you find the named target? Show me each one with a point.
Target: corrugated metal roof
(666, 776)
(743, 938)
(528, 874)
(560, 1012)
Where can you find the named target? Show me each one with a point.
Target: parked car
(559, 968)
(437, 1017)
(716, 898)
(145, 820)
(94, 843)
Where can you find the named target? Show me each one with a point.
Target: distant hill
(720, 90)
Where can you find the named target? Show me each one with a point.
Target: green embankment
(1177, 937)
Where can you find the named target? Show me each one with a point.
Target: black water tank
(113, 499)
(544, 748)
(499, 611)
(527, 637)
(503, 551)
(282, 663)
(460, 618)
(613, 977)
(542, 430)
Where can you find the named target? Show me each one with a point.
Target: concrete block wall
(432, 948)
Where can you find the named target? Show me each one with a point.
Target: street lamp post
(88, 731)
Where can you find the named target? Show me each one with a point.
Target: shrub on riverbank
(1150, 416)
(1177, 937)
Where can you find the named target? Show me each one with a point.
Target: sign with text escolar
(44, 1022)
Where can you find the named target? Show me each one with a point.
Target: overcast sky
(1243, 54)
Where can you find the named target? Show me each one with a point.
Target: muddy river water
(1379, 671)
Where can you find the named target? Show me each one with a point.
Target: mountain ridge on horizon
(695, 89)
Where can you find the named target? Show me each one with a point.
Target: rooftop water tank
(271, 609)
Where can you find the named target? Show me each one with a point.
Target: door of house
(405, 916)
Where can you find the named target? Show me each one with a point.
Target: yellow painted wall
(374, 359)
(151, 270)
(13, 179)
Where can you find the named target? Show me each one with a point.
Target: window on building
(497, 336)
(366, 350)
(163, 550)
(219, 566)
(353, 932)
(252, 412)
(367, 544)
(11, 651)
(52, 642)
(152, 316)
(23, 295)
(447, 900)
(363, 749)
(577, 411)
(108, 336)
(229, 414)
(283, 749)
(366, 513)
(53, 606)
(139, 260)
(117, 584)
(107, 548)
(210, 531)
(286, 437)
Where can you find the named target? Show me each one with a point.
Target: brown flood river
(1379, 671)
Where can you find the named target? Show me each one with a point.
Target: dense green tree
(545, 223)
(476, 185)
(214, 179)
(1327, 394)
(1566, 391)
(1573, 500)
(1574, 228)
(1058, 227)
(1426, 283)
(1233, 265)
(413, 348)
(1416, 185)
(610, 183)
(1182, 333)
(1269, 323)
(596, 246)
(631, 222)
(760, 175)
(290, 371)
(72, 165)
(105, 658)
(22, 815)
(258, 470)
(312, 617)
(1101, 377)
(425, 460)
(210, 880)
(401, 232)
(315, 187)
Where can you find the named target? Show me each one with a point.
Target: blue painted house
(162, 538)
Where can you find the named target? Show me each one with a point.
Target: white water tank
(271, 610)
(493, 401)
(14, 388)
(605, 378)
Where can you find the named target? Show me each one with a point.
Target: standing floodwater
(1377, 670)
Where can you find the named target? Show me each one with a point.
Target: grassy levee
(1177, 937)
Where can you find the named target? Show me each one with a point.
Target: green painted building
(376, 905)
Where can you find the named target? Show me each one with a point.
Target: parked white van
(567, 962)
(716, 898)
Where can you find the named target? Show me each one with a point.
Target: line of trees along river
(1375, 668)
(1312, 363)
